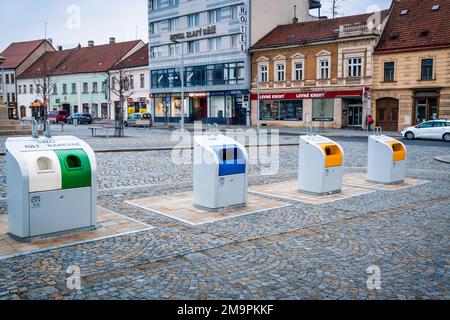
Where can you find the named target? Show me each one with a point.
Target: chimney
(60, 48)
(90, 43)
(112, 40)
(79, 45)
(295, 19)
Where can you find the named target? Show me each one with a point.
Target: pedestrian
(369, 121)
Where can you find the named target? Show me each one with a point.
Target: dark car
(82, 118)
(58, 116)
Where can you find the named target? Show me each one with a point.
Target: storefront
(221, 107)
(334, 109)
(139, 106)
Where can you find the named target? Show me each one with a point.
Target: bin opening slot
(44, 165)
(399, 151)
(73, 163)
(230, 154)
(333, 155)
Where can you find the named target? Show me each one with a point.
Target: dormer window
(404, 12)
(425, 33)
(435, 7)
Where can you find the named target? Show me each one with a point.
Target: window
(389, 71)
(194, 46)
(194, 20)
(324, 69)
(280, 72)
(214, 16)
(234, 12)
(234, 41)
(12, 78)
(31, 89)
(427, 69)
(214, 44)
(64, 88)
(153, 5)
(74, 88)
(354, 67)
(264, 73)
(104, 86)
(20, 89)
(153, 28)
(55, 89)
(13, 97)
(173, 24)
(156, 52)
(85, 87)
(7, 78)
(298, 71)
(323, 110)
(94, 87)
(131, 82)
(24, 89)
(142, 81)
(174, 50)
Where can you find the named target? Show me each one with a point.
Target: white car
(436, 129)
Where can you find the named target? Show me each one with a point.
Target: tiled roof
(137, 59)
(80, 60)
(50, 60)
(95, 59)
(413, 24)
(17, 52)
(310, 31)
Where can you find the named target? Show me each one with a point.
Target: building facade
(135, 70)
(412, 65)
(316, 73)
(19, 56)
(208, 40)
(78, 79)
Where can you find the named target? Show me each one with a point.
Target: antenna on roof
(295, 19)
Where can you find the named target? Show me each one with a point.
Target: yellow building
(315, 73)
(412, 65)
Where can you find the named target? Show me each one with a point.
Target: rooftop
(17, 52)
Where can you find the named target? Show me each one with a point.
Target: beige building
(412, 65)
(316, 73)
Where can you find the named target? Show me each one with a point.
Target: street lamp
(182, 82)
(2, 59)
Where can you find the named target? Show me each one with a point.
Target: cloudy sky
(70, 22)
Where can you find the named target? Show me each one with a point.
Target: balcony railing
(355, 29)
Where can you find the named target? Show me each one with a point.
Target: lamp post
(182, 82)
(2, 59)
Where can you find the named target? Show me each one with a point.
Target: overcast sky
(70, 22)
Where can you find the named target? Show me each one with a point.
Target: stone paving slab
(288, 190)
(180, 206)
(360, 180)
(109, 224)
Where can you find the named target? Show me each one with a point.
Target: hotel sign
(194, 33)
(243, 28)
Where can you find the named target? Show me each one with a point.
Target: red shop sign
(307, 95)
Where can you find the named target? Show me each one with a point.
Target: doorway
(199, 108)
(387, 114)
(355, 112)
(23, 112)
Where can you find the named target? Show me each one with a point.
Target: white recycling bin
(51, 186)
(386, 160)
(320, 165)
(220, 173)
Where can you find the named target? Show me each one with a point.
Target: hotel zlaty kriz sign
(194, 34)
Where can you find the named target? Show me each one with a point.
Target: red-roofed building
(135, 68)
(316, 73)
(78, 79)
(412, 65)
(19, 56)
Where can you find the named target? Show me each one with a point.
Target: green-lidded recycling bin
(75, 168)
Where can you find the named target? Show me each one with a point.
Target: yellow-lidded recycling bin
(386, 160)
(321, 163)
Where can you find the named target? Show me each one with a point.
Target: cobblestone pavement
(298, 252)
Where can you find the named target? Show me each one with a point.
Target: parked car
(436, 129)
(82, 118)
(58, 116)
(133, 119)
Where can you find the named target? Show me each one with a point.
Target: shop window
(323, 110)
(282, 110)
(217, 107)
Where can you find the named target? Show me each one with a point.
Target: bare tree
(120, 85)
(44, 87)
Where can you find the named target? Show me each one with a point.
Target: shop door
(204, 107)
(23, 112)
(355, 115)
(426, 109)
(387, 114)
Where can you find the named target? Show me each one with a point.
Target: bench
(104, 125)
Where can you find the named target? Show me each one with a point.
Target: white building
(135, 69)
(211, 38)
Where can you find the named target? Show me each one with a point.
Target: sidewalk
(347, 133)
